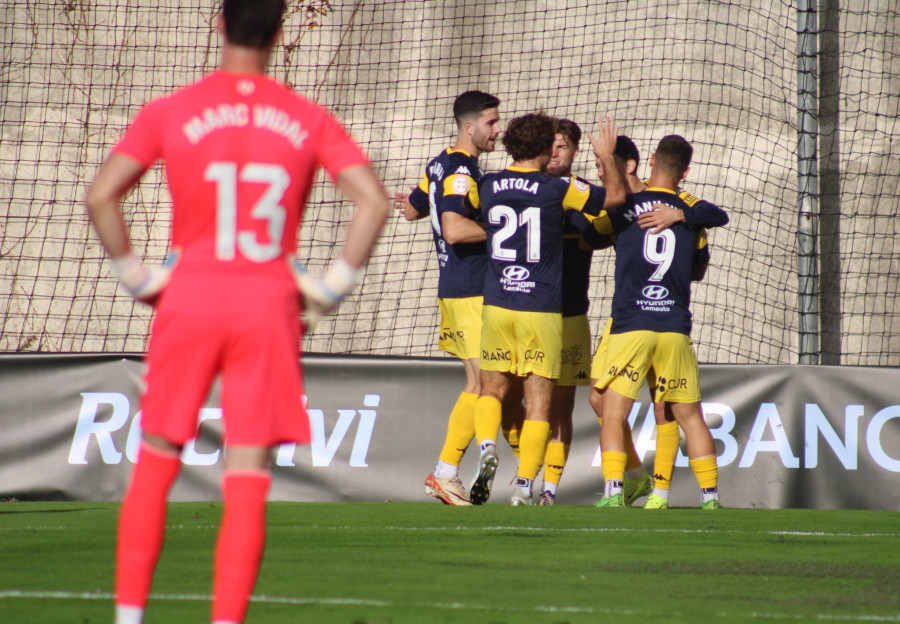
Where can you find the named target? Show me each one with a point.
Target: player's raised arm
(604, 146)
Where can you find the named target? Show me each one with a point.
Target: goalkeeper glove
(322, 295)
(145, 283)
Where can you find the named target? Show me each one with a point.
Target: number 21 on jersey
(530, 218)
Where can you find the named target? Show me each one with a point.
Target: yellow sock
(460, 429)
(613, 465)
(667, 441)
(632, 460)
(488, 414)
(512, 437)
(532, 447)
(706, 470)
(555, 461)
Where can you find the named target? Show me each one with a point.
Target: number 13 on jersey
(227, 176)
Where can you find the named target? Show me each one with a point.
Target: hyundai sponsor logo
(655, 292)
(516, 273)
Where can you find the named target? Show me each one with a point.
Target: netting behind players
(723, 74)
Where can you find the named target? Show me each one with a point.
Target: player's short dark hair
(252, 23)
(674, 154)
(471, 103)
(626, 149)
(529, 136)
(570, 130)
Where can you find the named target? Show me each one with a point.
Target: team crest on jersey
(580, 185)
(461, 184)
(245, 87)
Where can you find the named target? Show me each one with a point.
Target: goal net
(723, 74)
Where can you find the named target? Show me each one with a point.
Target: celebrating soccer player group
(514, 250)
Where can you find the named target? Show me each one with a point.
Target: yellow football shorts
(576, 348)
(665, 359)
(521, 343)
(599, 361)
(461, 327)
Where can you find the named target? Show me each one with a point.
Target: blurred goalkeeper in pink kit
(240, 152)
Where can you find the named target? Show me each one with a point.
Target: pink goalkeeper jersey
(240, 154)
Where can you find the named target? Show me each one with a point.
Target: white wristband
(340, 279)
(131, 272)
(126, 264)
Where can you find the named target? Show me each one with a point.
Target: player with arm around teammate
(668, 437)
(651, 323)
(667, 434)
(524, 215)
(462, 260)
(230, 306)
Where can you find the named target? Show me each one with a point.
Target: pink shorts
(258, 358)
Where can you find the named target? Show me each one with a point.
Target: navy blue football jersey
(449, 179)
(576, 274)
(702, 254)
(524, 215)
(653, 271)
(702, 213)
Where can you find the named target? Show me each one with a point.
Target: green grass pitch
(381, 563)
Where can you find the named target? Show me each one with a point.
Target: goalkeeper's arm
(361, 186)
(116, 177)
